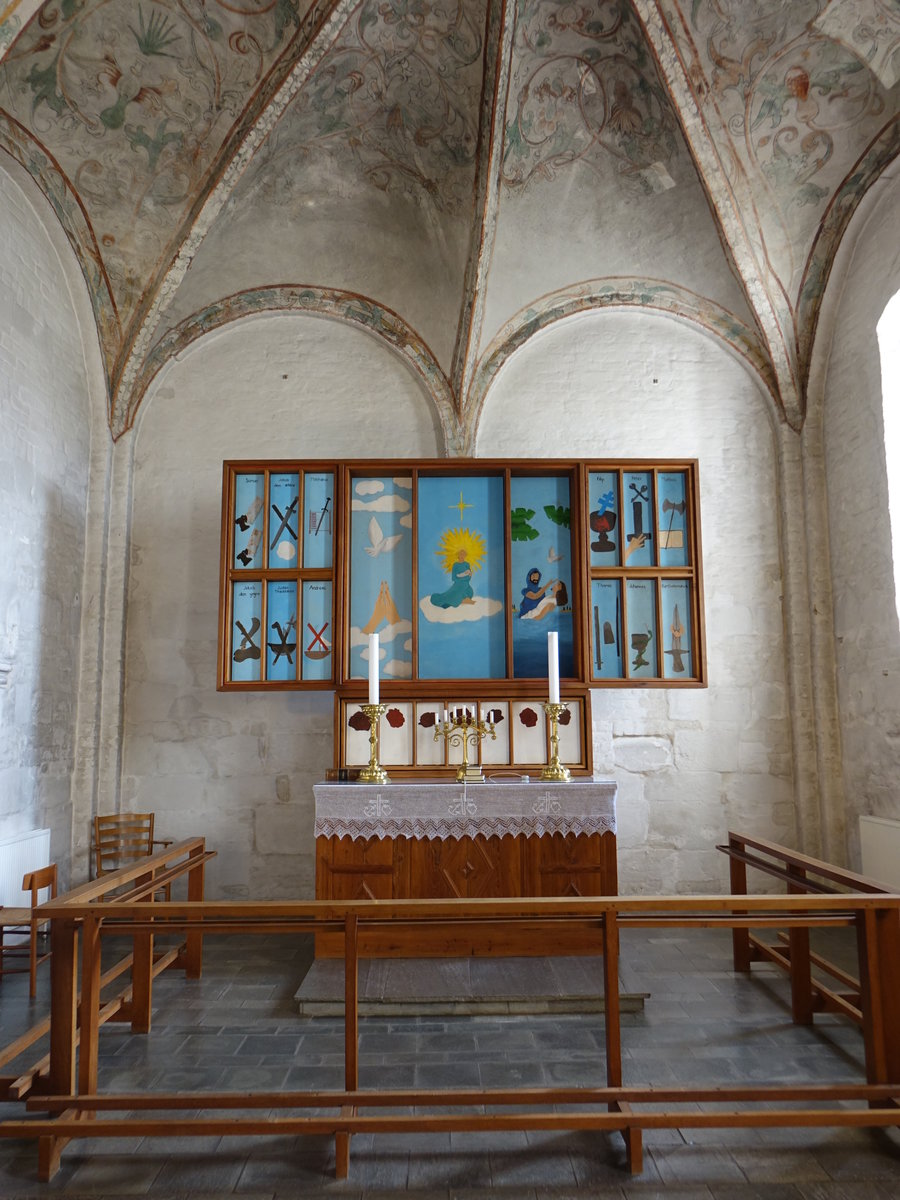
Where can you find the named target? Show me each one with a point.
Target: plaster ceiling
(452, 174)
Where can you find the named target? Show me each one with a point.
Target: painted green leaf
(520, 530)
(156, 35)
(44, 88)
(558, 515)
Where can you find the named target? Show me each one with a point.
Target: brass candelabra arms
(554, 772)
(461, 730)
(373, 773)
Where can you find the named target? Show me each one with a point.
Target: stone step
(461, 986)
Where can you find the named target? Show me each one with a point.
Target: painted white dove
(380, 543)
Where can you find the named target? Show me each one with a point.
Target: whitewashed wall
(690, 764)
(867, 638)
(44, 466)
(240, 768)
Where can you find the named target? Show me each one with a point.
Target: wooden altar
(402, 841)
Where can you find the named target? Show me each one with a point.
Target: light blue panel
(246, 630)
(284, 520)
(606, 629)
(381, 574)
(637, 518)
(678, 639)
(541, 560)
(281, 639)
(462, 595)
(317, 630)
(249, 501)
(604, 518)
(318, 522)
(673, 533)
(641, 600)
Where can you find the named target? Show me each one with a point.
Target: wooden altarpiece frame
(461, 566)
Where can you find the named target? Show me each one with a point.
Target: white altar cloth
(455, 810)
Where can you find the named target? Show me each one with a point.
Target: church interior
(420, 230)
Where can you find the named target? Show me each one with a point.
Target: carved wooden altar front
(445, 840)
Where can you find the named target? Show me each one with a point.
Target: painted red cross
(317, 637)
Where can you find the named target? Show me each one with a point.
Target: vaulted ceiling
(452, 175)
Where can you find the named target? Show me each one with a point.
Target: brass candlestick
(457, 732)
(555, 772)
(373, 773)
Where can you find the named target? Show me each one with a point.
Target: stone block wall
(240, 768)
(44, 466)
(690, 764)
(867, 635)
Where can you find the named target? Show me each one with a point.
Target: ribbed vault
(459, 172)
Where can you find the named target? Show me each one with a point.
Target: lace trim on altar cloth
(432, 828)
(451, 810)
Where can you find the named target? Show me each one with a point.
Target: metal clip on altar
(458, 729)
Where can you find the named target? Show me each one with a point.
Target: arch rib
(617, 292)
(311, 300)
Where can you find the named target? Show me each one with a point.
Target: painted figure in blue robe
(537, 601)
(460, 590)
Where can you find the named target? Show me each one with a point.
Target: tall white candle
(553, 665)
(373, 668)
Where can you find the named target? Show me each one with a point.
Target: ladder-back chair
(21, 920)
(122, 839)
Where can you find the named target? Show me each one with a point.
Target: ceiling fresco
(151, 124)
(584, 87)
(133, 101)
(800, 107)
(396, 98)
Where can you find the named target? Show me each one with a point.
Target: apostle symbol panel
(461, 630)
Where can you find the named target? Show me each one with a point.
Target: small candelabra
(459, 729)
(554, 772)
(373, 773)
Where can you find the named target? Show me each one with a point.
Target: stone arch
(309, 300)
(616, 292)
(57, 191)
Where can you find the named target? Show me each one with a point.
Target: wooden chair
(121, 839)
(21, 919)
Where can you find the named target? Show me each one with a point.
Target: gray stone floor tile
(642, 1192)
(881, 1162)
(124, 1174)
(755, 1191)
(521, 1073)
(765, 1165)
(381, 1170)
(576, 1193)
(281, 1172)
(531, 1167)
(835, 1190)
(695, 1164)
(217, 1173)
(720, 1029)
(448, 1169)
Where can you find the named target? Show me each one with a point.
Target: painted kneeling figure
(537, 601)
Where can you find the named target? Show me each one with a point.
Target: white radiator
(879, 844)
(19, 854)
